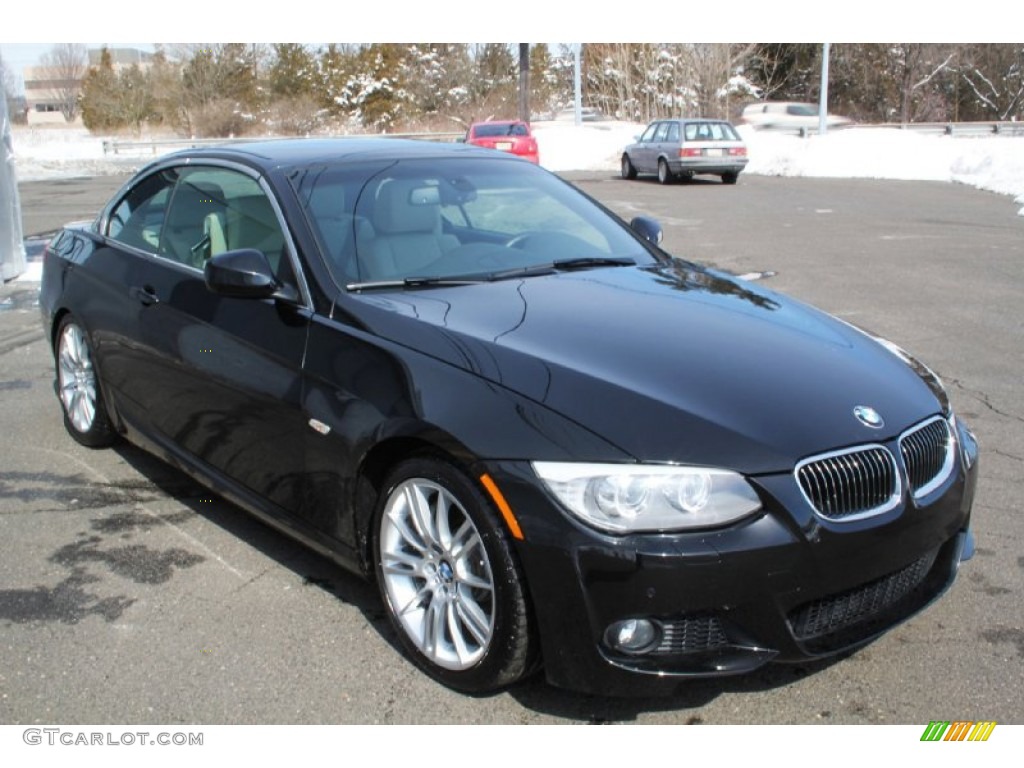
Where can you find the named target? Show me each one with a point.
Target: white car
(788, 115)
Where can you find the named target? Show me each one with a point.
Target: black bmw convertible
(550, 443)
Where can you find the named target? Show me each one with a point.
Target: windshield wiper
(413, 282)
(586, 262)
(563, 265)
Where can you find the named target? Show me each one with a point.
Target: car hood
(674, 364)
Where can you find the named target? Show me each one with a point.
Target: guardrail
(958, 129)
(961, 130)
(115, 147)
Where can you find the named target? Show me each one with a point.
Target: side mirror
(649, 229)
(245, 274)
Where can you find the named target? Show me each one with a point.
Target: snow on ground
(994, 163)
(991, 163)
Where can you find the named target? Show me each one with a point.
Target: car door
(215, 381)
(659, 144)
(645, 161)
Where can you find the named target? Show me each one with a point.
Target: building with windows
(48, 88)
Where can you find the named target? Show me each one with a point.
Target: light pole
(823, 99)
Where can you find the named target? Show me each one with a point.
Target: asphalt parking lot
(128, 594)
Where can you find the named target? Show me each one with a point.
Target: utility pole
(823, 99)
(576, 83)
(524, 82)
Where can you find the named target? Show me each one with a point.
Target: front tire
(628, 170)
(449, 579)
(79, 389)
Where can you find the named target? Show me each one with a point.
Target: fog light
(633, 636)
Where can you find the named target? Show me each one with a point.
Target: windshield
(710, 132)
(464, 217)
(500, 129)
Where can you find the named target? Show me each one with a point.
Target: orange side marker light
(503, 507)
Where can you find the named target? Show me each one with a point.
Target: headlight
(625, 498)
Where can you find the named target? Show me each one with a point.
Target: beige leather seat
(407, 232)
(196, 224)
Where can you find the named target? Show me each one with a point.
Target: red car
(507, 135)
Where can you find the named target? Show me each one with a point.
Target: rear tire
(730, 178)
(79, 389)
(665, 175)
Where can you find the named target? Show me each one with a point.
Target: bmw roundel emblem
(869, 417)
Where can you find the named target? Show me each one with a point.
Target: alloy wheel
(76, 378)
(436, 574)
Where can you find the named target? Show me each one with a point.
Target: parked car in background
(788, 115)
(512, 136)
(550, 443)
(674, 149)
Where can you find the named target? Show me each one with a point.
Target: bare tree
(994, 80)
(8, 91)
(7, 86)
(66, 65)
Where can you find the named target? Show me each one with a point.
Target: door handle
(146, 295)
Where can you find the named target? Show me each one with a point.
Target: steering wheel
(523, 239)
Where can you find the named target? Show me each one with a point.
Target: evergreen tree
(335, 66)
(293, 71)
(377, 91)
(99, 95)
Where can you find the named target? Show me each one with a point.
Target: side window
(673, 132)
(217, 209)
(649, 133)
(690, 131)
(662, 132)
(138, 219)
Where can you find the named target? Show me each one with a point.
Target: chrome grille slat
(928, 455)
(850, 484)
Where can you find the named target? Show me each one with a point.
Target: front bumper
(786, 585)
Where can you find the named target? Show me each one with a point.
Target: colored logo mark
(958, 730)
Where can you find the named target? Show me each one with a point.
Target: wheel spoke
(455, 630)
(433, 629)
(419, 511)
(441, 523)
(462, 548)
(474, 618)
(475, 582)
(417, 600)
(403, 564)
(410, 537)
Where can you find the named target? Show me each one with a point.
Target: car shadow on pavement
(534, 693)
(314, 570)
(689, 698)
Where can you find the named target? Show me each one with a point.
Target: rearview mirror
(245, 274)
(649, 229)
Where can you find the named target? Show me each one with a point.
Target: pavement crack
(984, 399)
(1004, 454)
